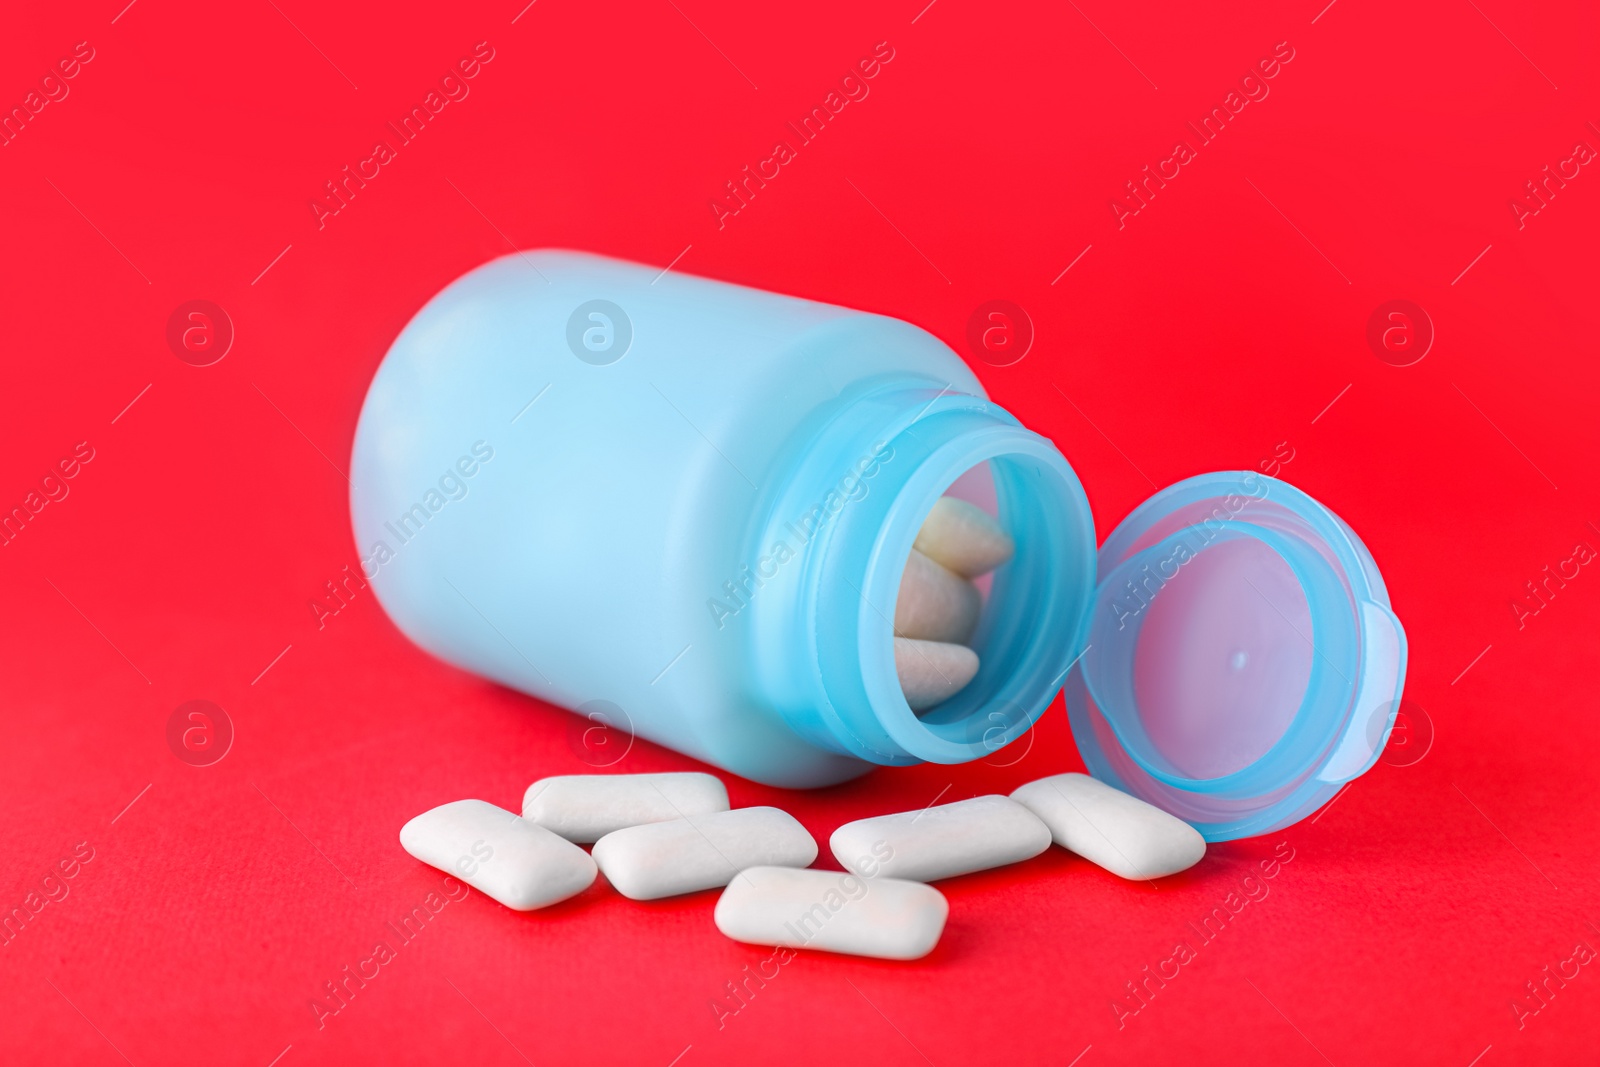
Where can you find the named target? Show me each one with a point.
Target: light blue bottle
(690, 503)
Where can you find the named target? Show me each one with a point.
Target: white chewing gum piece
(521, 865)
(585, 807)
(664, 859)
(1123, 834)
(932, 672)
(886, 918)
(935, 603)
(941, 842)
(964, 538)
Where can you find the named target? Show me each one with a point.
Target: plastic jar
(690, 503)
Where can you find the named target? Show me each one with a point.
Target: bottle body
(595, 482)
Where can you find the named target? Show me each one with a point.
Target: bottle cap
(1241, 659)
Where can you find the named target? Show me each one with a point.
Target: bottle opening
(1029, 609)
(945, 590)
(827, 661)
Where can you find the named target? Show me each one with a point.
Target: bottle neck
(856, 494)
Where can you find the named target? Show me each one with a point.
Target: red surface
(1221, 320)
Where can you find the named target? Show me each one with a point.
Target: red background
(1220, 321)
